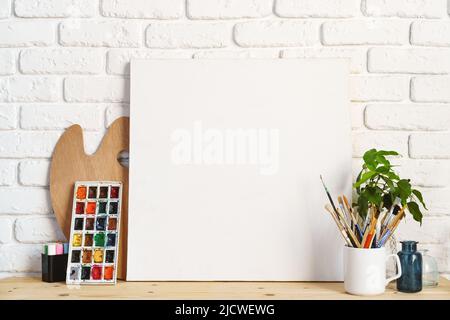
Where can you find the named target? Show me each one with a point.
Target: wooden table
(34, 288)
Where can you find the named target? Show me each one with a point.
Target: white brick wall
(54, 8)
(67, 61)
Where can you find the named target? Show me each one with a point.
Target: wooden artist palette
(70, 163)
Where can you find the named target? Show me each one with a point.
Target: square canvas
(225, 158)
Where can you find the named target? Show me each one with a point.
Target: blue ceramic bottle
(411, 262)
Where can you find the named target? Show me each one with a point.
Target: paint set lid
(52, 249)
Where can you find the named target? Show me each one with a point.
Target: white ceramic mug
(365, 270)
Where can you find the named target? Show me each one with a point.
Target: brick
(317, 9)
(238, 54)
(430, 33)
(365, 32)
(7, 62)
(5, 9)
(271, 33)
(408, 117)
(378, 88)
(60, 117)
(61, 61)
(357, 115)
(20, 144)
(37, 230)
(119, 59)
(20, 258)
(437, 200)
(182, 36)
(34, 172)
(405, 8)
(24, 200)
(8, 117)
(356, 56)
(29, 89)
(430, 89)
(417, 60)
(100, 33)
(116, 111)
(425, 173)
(98, 89)
(7, 172)
(20, 33)
(432, 230)
(155, 9)
(6, 228)
(54, 8)
(429, 145)
(365, 140)
(228, 9)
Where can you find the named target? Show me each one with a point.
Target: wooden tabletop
(34, 288)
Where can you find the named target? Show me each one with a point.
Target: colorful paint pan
(99, 239)
(112, 223)
(90, 208)
(89, 225)
(102, 207)
(81, 192)
(94, 233)
(98, 255)
(109, 271)
(92, 193)
(79, 208)
(79, 223)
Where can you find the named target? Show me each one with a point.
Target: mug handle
(399, 268)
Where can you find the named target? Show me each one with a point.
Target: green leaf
(391, 175)
(383, 169)
(414, 209)
(419, 196)
(381, 159)
(374, 195)
(369, 158)
(404, 189)
(389, 183)
(358, 189)
(363, 205)
(366, 176)
(388, 153)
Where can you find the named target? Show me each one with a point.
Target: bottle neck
(409, 246)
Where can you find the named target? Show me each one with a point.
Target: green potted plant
(378, 186)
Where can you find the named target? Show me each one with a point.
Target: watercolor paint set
(54, 261)
(94, 232)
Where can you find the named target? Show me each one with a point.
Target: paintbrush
(328, 194)
(339, 225)
(353, 217)
(349, 208)
(394, 211)
(353, 238)
(345, 213)
(368, 235)
(398, 217)
(391, 229)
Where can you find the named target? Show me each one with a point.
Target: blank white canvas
(200, 218)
